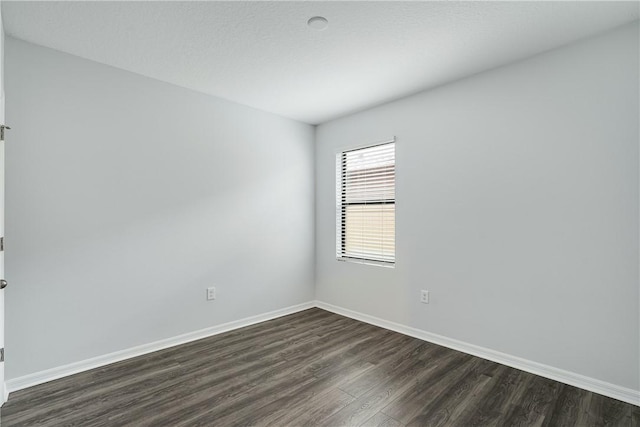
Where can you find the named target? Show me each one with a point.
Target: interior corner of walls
(208, 232)
(315, 212)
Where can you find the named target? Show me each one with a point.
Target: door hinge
(2, 354)
(1, 244)
(2, 128)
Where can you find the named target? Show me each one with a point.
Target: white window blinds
(366, 204)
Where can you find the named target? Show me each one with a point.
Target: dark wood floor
(311, 368)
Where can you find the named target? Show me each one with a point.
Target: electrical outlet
(424, 297)
(211, 293)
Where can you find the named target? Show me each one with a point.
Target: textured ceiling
(263, 54)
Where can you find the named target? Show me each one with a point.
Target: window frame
(341, 205)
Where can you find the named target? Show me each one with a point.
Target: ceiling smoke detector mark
(318, 23)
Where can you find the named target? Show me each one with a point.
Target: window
(366, 204)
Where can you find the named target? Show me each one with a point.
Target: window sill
(367, 262)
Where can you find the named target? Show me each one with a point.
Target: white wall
(517, 207)
(127, 197)
(3, 392)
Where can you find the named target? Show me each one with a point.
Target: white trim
(597, 386)
(360, 146)
(591, 384)
(96, 362)
(5, 393)
(363, 261)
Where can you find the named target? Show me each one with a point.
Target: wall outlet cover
(424, 297)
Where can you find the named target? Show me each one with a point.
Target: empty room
(319, 213)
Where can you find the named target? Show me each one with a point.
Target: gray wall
(127, 197)
(517, 208)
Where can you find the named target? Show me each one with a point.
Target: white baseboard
(96, 362)
(591, 384)
(597, 386)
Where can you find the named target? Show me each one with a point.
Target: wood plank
(571, 406)
(381, 420)
(445, 410)
(535, 403)
(388, 367)
(508, 385)
(427, 391)
(291, 370)
(609, 412)
(310, 410)
(409, 369)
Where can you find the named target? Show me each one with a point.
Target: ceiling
(264, 55)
